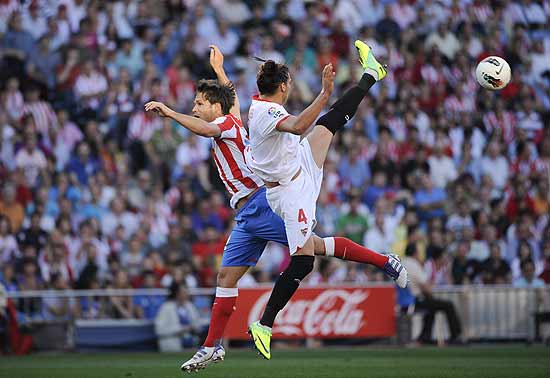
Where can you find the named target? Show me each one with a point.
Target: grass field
(481, 361)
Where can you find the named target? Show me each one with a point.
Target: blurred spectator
(120, 306)
(177, 321)
(204, 217)
(442, 168)
(353, 225)
(495, 165)
(528, 278)
(147, 306)
(7, 277)
(28, 280)
(58, 308)
(353, 169)
(386, 27)
(429, 199)
(524, 254)
(132, 258)
(545, 275)
(495, 270)
(11, 209)
(421, 289)
(89, 87)
(444, 40)
(31, 159)
(33, 235)
(379, 237)
(119, 216)
(83, 165)
(437, 267)
(43, 62)
(464, 270)
(460, 220)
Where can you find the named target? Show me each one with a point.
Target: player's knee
(300, 266)
(333, 120)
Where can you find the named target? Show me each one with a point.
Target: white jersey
(273, 155)
(228, 152)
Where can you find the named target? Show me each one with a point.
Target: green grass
(481, 361)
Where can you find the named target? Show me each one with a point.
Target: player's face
(204, 109)
(286, 87)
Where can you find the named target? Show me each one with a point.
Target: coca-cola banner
(333, 312)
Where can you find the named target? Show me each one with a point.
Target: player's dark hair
(216, 93)
(270, 76)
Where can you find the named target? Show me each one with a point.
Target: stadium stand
(96, 193)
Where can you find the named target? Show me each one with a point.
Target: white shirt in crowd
(378, 240)
(31, 163)
(448, 44)
(8, 249)
(497, 169)
(417, 275)
(90, 85)
(403, 14)
(35, 26)
(110, 221)
(442, 170)
(167, 324)
(7, 146)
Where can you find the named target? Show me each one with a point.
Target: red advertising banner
(331, 312)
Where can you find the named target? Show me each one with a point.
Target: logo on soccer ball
(491, 80)
(493, 61)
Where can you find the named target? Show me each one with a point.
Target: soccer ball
(493, 73)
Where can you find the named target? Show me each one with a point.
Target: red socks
(345, 249)
(222, 308)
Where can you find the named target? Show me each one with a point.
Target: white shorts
(295, 202)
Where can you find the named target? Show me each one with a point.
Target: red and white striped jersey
(43, 115)
(228, 153)
(504, 123)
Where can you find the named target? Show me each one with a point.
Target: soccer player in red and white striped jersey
(216, 114)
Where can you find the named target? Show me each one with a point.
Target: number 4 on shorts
(302, 216)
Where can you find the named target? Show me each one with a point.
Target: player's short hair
(217, 93)
(270, 76)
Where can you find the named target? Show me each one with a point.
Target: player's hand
(328, 79)
(216, 58)
(158, 107)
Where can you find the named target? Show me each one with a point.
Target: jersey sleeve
(227, 126)
(274, 115)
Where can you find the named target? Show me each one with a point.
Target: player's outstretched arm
(193, 124)
(299, 125)
(216, 61)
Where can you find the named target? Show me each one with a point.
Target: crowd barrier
(488, 313)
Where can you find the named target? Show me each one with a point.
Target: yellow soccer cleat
(369, 62)
(261, 335)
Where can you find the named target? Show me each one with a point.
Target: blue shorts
(256, 224)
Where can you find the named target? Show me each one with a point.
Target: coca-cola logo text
(332, 312)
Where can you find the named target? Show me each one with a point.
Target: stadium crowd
(97, 193)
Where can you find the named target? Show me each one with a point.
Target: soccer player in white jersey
(291, 167)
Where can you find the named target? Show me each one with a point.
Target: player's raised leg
(346, 106)
(346, 249)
